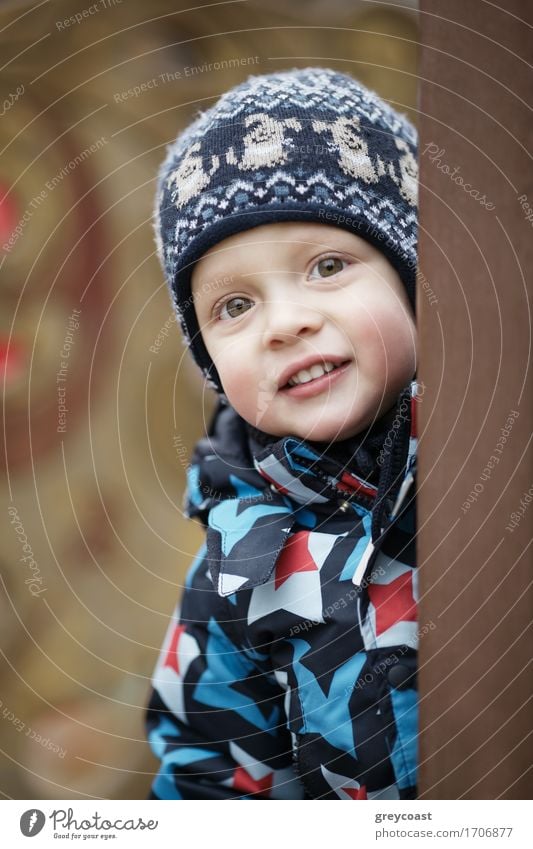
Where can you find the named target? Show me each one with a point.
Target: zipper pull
(359, 573)
(404, 489)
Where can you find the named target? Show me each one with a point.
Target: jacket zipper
(297, 768)
(358, 498)
(372, 550)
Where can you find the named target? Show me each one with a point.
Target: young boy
(286, 224)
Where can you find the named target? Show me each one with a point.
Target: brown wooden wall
(476, 470)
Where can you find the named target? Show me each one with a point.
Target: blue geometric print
(404, 754)
(243, 489)
(294, 446)
(227, 666)
(156, 735)
(193, 484)
(328, 715)
(234, 526)
(164, 786)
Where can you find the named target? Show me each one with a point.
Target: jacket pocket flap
(244, 540)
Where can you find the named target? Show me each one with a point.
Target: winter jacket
(289, 668)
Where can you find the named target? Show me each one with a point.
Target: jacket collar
(301, 471)
(245, 485)
(236, 460)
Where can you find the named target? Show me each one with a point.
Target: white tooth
(303, 376)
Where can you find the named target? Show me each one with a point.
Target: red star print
(8, 212)
(294, 557)
(242, 780)
(172, 654)
(356, 792)
(393, 602)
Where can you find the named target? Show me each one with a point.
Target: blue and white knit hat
(301, 145)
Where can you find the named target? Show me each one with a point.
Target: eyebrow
(300, 246)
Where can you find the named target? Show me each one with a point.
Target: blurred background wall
(101, 406)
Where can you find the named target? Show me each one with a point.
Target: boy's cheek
(239, 384)
(252, 398)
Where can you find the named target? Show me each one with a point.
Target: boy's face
(281, 301)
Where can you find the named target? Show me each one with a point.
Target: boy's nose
(286, 322)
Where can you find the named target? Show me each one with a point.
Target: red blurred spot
(8, 212)
(11, 359)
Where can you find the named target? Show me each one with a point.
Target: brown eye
(234, 307)
(329, 266)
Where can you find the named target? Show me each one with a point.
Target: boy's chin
(331, 430)
(332, 434)
(327, 430)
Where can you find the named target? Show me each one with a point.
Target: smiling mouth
(333, 367)
(306, 381)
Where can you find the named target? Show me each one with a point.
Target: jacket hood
(241, 479)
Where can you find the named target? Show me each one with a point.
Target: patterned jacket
(289, 669)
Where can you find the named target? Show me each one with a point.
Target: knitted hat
(302, 145)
